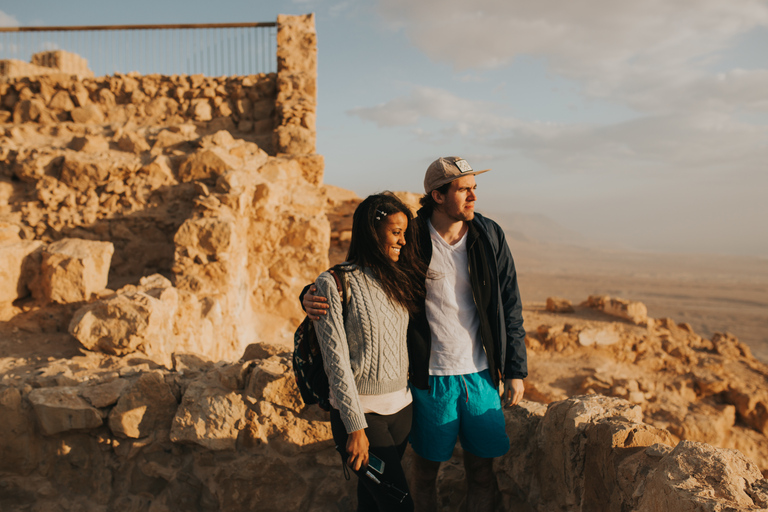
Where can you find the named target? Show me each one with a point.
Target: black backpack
(311, 378)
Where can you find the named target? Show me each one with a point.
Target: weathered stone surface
(19, 450)
(62, 409)
(635, 312)
(90, 144)
(88, 114)
(561, 468)
(205, 164)
(132, 142)
(559, 305)
(124, 323)
(72, 269)
(105, 394)
(15, 271)
(698, 477)
(148, 406)
(209, 416)
(606, 335)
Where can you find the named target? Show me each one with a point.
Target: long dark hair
(403, 281)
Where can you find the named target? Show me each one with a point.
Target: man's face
(459, 202)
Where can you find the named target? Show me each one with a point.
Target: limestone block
(90, 144)
(561, 449)
(19, 450)
(61, 101)
(15, 272)
(161, 107)
(201, 110)
(696, 476)
(67, 62)
(209, 416)
(73, 269)
(609, 442)
(271, 380)
(125, 323)
(157, 173)
(147, 406)
(61, 409)
(294, 140)
(132, 142)
(88, 114)
(30, 110)
(9, 233)
(206, 163)
(635, 312)
(82, 171)
(80, 93)
(558, 305)
(104, 394)
(606, 335)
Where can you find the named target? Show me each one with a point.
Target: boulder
(88, 114)
(698, 477)
(147, 406)
(558, 305)
(90, 144)
(209, 416)
(205, 164)
(125, 323)
(61, 101)
(132, 142)
(73, 269)
(61, 409)
(17, 268)
(635, 312)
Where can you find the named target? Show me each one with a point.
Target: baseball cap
(445, 170)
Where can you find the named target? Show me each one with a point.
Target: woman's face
(392, 234)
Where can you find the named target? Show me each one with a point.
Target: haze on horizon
(642, 124)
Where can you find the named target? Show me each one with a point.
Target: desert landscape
(155, 233)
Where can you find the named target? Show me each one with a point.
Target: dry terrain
(712, 293)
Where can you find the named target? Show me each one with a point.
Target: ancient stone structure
(209, 182)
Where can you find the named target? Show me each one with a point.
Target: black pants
(388, 438)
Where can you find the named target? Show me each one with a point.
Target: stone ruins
(155, 232)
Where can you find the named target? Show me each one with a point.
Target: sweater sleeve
(336, 360)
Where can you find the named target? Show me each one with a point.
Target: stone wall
(206, 191)
(94, 434)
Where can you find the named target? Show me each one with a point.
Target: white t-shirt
(451, 311)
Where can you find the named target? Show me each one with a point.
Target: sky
(639, 124)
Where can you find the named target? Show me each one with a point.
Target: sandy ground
(712, 293)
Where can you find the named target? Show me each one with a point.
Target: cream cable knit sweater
(366, 355)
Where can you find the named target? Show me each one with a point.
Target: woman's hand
(314, 305)
(357, 449)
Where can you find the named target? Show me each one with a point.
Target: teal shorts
(467, 407)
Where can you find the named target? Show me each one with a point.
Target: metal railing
(221, 49)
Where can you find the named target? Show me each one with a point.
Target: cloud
(692, 143)
(648, 54)
(424, 104)
(7, 20)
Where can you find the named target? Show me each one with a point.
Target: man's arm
(516, 364)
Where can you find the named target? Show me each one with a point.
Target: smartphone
(375, 464)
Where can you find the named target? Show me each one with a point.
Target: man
(467, 338)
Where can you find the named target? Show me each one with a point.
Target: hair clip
(379, 212)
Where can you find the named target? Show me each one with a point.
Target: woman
(365, 354)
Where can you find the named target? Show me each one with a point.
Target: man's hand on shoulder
(514, 389)
(314, 305)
